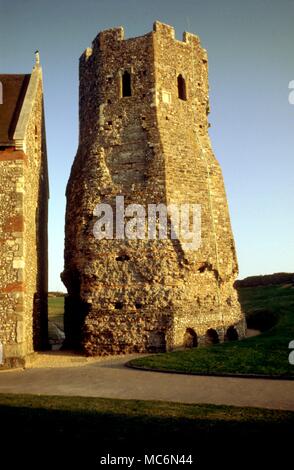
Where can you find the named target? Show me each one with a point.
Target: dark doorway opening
(211, 337)
(190, 338)
(232, 334)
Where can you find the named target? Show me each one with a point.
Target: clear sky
(251, 62)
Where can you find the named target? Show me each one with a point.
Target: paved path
(109, 378)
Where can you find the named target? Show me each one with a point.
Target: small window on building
(126, 84)
(118, 305)
(166, 97)
(182, 94)
(36, 139)
(122, 258)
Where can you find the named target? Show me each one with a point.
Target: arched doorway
(231, 334)
(190, 338)
(211, 337)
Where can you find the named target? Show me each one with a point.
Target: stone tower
(144, 135)
(23, 217)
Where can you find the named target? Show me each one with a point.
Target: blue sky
(251, 62)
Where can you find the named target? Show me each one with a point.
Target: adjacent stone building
(144, 135)
(23, 217)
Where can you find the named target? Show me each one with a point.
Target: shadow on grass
(74, 430)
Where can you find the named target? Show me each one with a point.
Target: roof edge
(27, 106)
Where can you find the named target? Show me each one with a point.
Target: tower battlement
(108, 36)
(169, 31)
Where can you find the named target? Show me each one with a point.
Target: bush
(261, 319)
(266, 280)
(56, 294)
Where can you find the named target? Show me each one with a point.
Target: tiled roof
(14, 89)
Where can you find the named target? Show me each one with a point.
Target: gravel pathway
(59, 373)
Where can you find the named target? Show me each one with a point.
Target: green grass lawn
(56, 310)
(79, 428)
(266, 354)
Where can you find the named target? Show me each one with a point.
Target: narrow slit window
(36, 139)
(122, 258)
(126, 84)
(182, 94)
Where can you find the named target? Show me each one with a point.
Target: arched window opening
(190, 338)
(232, 334)
(182, 94)
(126, 84)
(211, 337)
